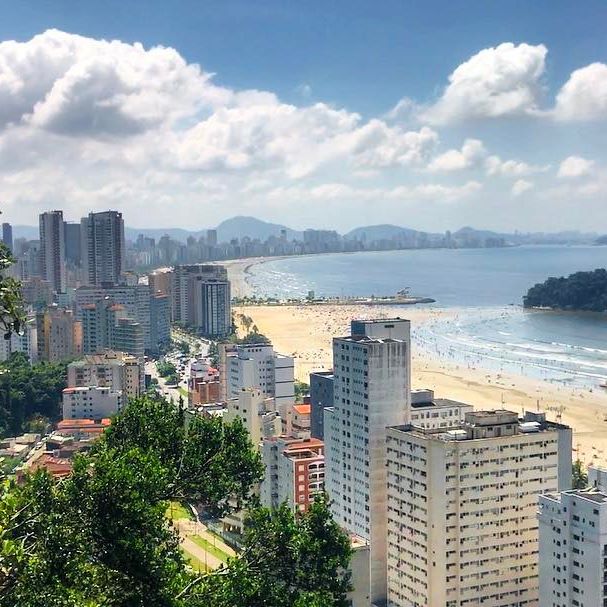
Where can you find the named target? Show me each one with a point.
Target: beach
(305, 332)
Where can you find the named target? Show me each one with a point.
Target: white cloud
(521, 186)
(584, 95)
(575, 166)
(472, 152)
(500, 81)
(511, 168)
(79, 86)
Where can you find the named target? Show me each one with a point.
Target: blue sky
(318, 167)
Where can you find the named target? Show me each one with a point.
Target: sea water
(483, 287)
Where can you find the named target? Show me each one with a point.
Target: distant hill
(384, 231)
(241, 226)
(238, 227)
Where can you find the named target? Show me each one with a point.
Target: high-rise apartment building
(258, 366)
(295, 472)
(7, 235)
(573, 548)
(257, 413)
(161, 281)
(160, 323)
(212, 308)
(116, 370)
(73, 243)
(136, 301)
(59, 334)
(52, 250)
(106, 325)
(103, 248)
(186, 292)
(462, 503)
(372, 386)
(321, 397)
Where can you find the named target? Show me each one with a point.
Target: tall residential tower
(52, 250)
(372, 390)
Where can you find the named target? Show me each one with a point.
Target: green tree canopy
(585, 291)
(100, 537)
(29, 391)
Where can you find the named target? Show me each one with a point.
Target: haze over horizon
(431, 117)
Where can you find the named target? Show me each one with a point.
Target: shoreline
(306, 332)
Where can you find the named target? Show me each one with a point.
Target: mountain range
(241, 226)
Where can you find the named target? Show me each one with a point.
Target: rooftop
(592, 494)
(302, 409)
(486, 425)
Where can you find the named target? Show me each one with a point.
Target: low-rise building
(91, 402)
(430, 413)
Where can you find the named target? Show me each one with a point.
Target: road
(199, 348)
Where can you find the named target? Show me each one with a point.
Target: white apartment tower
(462, 503)
(258, 366)
(372, 388)
(52, 250)
(103, 248)
(573, 549)
(119, 371)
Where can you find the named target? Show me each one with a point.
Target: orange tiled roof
(302, 409)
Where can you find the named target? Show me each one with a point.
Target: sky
(326, 114)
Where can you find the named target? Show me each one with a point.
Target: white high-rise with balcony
(372, 390)
(462, 503)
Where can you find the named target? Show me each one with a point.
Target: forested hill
(585, 291)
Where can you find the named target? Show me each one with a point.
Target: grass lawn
(183, 392)
(195, 563)
(177, 511)
(208, 546)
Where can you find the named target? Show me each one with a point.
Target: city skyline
(493, 118)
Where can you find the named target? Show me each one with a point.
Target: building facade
(116, 370)
(90, 402)
(103, 248)
(58, 335)
(573, 548)
(295, 472)
(462, 503)
(258, 366)
(430, 413)
(372, 386)
(52, 250)
(321, 396)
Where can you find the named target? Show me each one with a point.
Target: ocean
(484, 289)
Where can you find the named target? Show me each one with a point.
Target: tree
(29, 391)
(579, 475)
(287, 560)
(12, 316)
(301, 389)
(585, 291)
(100, 537)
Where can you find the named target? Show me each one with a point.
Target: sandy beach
(305, 332)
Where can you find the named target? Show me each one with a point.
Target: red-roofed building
(295, 471)
(57, 467)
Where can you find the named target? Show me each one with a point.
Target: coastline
(305, 332)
